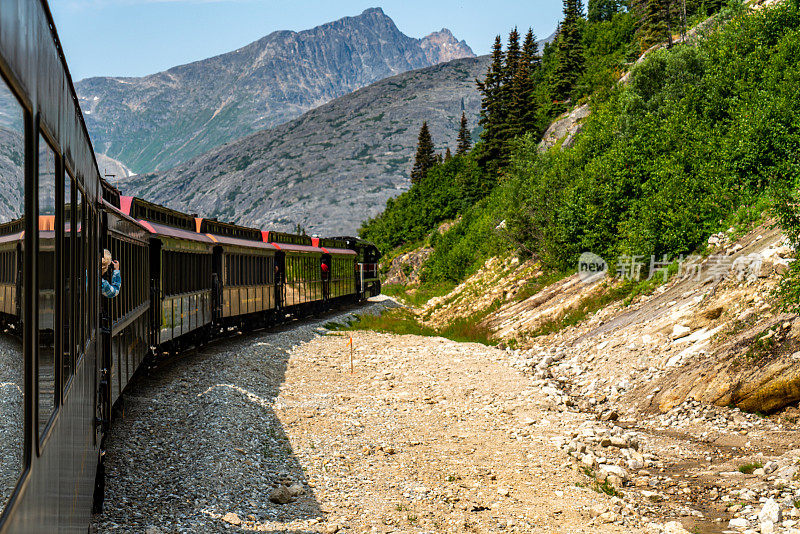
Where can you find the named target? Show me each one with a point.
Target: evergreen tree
(600, 10)
(492, 117)
(464, 137)
(426, 157)
(656, 20)
(569, 50)
(522, 108)
(513, 72)
(447, 155)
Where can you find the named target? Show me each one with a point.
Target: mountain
(332, 167)
(157, 121)
(111, 168)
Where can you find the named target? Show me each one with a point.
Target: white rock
(679, 331)
(616, 470)
(739, 523)
(771, 512)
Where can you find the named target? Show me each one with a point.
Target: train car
(367, 277)
(10, 278)
(125, 320)
(338, 282)
(49, 226)
(180, 277)
(298, 270)
(244, 274)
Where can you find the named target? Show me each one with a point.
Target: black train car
(298, 269)
(243, 271)
(367, 278)
(338, 282)
(49, 440)
(125, 320)
(180, 281)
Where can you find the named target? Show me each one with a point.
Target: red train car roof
(170, 231)
(225, 240)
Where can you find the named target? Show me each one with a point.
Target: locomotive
(67, 353)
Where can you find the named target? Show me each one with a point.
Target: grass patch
(401, 321)
(535, 285)
(748, 469)
(583, 309)
(762, 345)
(600, 487)
(417, 296)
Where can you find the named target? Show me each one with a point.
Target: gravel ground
(426, 435)
(11, 414)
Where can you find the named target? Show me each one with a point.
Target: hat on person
(105, 262)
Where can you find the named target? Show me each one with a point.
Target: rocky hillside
(331, 168)
(112, 169)
(157, 121)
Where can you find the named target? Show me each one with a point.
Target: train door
(105, 361)
(155, 293)
(216, 285)
(280, 279)
(325, 274)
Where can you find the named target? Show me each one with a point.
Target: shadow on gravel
(197, 446)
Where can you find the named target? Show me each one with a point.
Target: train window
(46, 370)
(80, 275)
(12, 386)
(85, 236)
(66, 265)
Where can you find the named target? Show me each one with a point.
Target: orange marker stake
(351, 353)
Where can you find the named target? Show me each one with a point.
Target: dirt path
(428, 435)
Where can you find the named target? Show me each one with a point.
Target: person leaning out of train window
(110, 290)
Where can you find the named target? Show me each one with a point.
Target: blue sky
(139, 37)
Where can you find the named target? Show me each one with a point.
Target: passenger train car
(67, 353)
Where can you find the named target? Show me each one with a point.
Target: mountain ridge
(157, 121)
(331, 168)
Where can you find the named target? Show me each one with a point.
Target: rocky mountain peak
(158, 121)
(373, 10)
(442, 46)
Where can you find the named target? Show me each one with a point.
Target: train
(67, 353)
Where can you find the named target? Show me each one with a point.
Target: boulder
(770, 512)
(281, 495)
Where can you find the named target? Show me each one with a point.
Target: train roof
(177, 233)
(108, 206)
(236, 241)
(332, 246)
(226, 229)
(141, 209)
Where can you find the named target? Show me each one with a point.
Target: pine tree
(448, 155)
(569, 50)
(522, 108)
(426, 157)
(492, 116)
(600, 10)
(656, 20)
(513, 103)
(464, 137)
